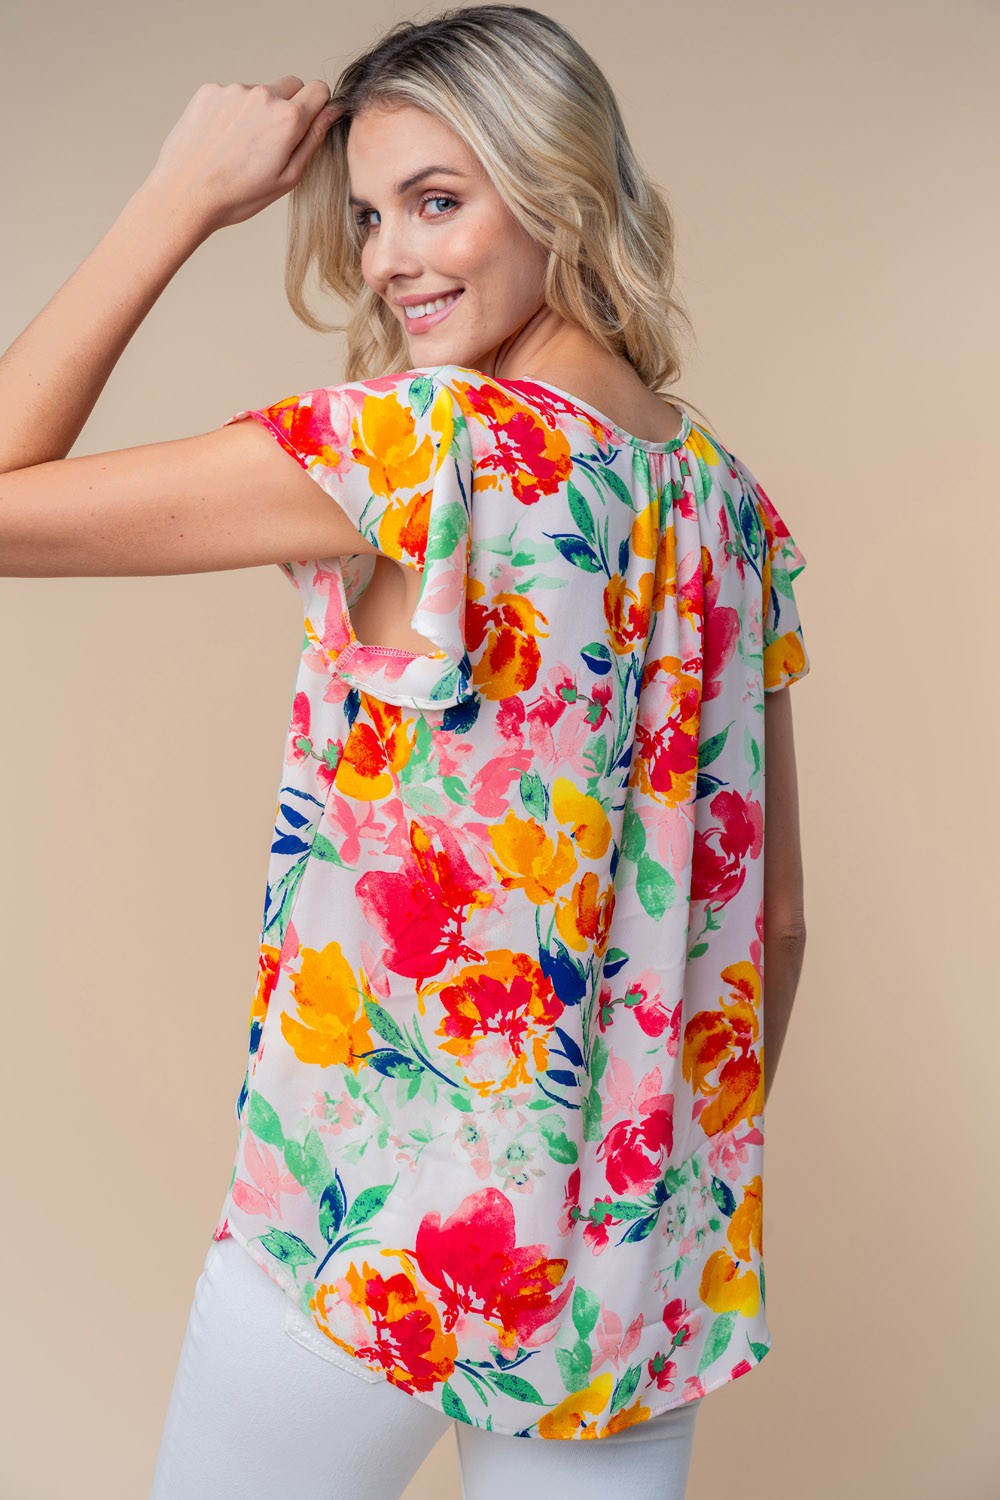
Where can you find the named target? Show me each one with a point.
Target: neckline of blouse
(619, 432)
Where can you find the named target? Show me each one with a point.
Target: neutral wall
(830, 170)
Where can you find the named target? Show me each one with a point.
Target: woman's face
(448, 232)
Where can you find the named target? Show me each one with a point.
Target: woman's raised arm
(163, 507)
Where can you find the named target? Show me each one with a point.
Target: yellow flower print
(725, 1288)
(569, 1419)
(591, 829)
(332, 1025)
(528, 860)
(386, 445)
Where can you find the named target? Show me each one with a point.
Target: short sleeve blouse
(500, 1136)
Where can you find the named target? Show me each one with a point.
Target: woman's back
(501, 1129)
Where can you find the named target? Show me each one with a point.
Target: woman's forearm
(53, 373)
(782, 967)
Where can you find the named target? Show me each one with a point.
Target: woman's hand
(237, 148)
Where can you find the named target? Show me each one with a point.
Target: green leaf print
(724, 1196)
(534, 796)
(718, 1340)
(367, 1204)
(625, 1388)
(574, 1365)
(576, 551)
(332, 1207)
(581, 513)
(586, 1311)
(323, 849)
(758, 1350)
(448, 525)
(452, 1404)
(561, 1148)
(309, 1164)
(593, 1115)
(516, 1386)
(633, 833)
(384, 1026)
(264, 1122)
(621, 1208)
(655, 885)
(287, 1248)
(713, 748)
(456, 789)
(421, 393)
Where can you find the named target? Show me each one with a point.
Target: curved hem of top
(269, 1267)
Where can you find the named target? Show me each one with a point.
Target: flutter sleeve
(782, 560)
(394, 452)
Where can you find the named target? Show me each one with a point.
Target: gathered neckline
(623, 437)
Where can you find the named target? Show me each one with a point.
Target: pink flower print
(491, 786)
(450, 752)
(510, 719)
(694, 1388)
(263, 1194)
(682, 1322)
(661, 1372)
(571, 1203)
(615, 1348)
(727, 1155)
(298, 729)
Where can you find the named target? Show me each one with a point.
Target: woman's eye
(363, 221)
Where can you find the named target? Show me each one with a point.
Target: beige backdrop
(830, 170)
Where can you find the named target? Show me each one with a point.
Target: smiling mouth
(426, 314)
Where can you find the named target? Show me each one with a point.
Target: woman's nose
(390, 253)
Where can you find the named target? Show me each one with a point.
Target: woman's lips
(431, 319)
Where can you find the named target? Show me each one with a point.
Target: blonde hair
(535, 109)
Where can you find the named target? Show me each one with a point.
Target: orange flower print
(627, 611)
(332, 1025)
(388, 1322)
(385, 443)
(586, 917)
(527, 860)
(507, 630)
(784, 657)
(376, 752)
(479, 1270)
(725, 1043)
(498, 1015)
(569, 1418)
(746, 1227)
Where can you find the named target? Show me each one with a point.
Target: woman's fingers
(237, 147)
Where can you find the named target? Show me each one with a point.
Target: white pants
(260, 1411)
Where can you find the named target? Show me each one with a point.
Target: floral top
(501, 1131)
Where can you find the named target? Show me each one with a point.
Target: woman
(500, 1144)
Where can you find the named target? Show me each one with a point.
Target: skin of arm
(784, 907)
(174, 507)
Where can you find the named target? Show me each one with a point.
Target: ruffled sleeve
(782, 560)
(394, 452)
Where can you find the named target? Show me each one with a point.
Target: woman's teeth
(423, 308)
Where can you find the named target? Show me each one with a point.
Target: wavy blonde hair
(536, 110)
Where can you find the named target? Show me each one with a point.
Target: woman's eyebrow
(409, 182)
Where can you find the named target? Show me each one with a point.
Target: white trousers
(261, 1411)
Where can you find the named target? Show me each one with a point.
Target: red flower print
(474, 1261)
(421, 910)
(718, 867)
